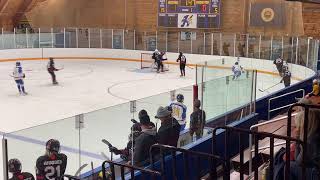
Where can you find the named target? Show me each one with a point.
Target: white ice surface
(85, 86)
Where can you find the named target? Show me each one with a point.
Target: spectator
(136, 131)
(53, 164)
(168, 133)
(179, 111)
(197, 120)
(313, 145)
(14, 167)
(315, 88)
(143, 143)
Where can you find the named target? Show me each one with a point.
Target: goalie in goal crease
(158, 58)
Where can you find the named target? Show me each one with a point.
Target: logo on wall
(187, 21)
(267, 14)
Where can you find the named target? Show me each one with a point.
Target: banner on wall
(187, 20)
(267, 14)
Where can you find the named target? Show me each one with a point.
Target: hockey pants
(159, 65)
(53, 76)
(20, 85)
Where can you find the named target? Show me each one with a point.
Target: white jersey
(179, 112)
(279, 61)
(18, 73)
(236, 68)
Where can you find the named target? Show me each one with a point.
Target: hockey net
(146, 61)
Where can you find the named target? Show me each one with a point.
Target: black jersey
(22, 176)
(182, 59)
(51, 67)
(51, 167)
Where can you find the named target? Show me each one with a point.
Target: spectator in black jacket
(144, 141)
(168, 133)
(197, 120)
(136, 131)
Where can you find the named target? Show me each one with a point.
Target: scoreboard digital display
(189, 13)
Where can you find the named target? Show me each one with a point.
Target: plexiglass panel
(29, 144)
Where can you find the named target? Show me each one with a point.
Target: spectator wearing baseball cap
(168, 133)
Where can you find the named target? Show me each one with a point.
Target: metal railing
(285, 106)
(132, 169)
(169, 150)
(257, 137)
(250, 136)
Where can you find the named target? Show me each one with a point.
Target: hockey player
(14, 167)
(157, 60)
(279, 64)
(155, 55)
(179, 111)
(286, 78)
(53, 164)
(237, 70)
(285, 67)
(182, 61)
(51, 69)
(18, 76)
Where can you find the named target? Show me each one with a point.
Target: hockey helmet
(18, 64)
(14, 165)
(180, 98)
(53, 145)
(236, 63)
(287, 73)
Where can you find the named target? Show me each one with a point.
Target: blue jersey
(179, 112)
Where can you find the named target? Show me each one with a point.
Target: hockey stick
(80, 169)
(109, 145)
(189, 67)
(268, 87)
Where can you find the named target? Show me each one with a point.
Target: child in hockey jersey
(18, 76)
(183, 61)
(179, 111)
(237, 70)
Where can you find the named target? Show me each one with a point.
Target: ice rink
(86, 86)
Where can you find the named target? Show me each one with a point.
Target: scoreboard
(189, 13)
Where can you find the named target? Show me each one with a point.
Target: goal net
(146, 61)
